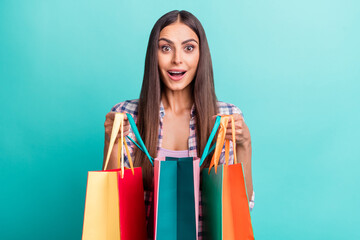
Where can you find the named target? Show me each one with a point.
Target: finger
(213, 119)
(127, 123)
(119, 135)
(229, 133)
(108, 129)
(214, 116)
(126, 131)
(237, 119)
(237, 116)
(108, 123)
(229, 137)
(110, 115)
(237, 131)
(108, 137)
(237, 125)
(126, 117)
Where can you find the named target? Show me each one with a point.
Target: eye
(165, 48)
(189, 48)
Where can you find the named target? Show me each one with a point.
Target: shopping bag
(226, 207)
(176, 195)
(114, 203)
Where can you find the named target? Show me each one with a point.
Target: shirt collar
(162, 110)
(192, 111)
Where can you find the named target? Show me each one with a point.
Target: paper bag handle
(138, 138)
(220, 142)
(118, 124)
(211, 137)
(207, 149)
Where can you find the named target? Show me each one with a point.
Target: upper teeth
(175, 72)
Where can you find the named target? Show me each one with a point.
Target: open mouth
(176, 74)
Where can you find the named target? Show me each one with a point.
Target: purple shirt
(170, 153)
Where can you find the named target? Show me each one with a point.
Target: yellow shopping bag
(114, 204)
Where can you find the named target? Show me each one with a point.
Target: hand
(242, 133)
(109, 123)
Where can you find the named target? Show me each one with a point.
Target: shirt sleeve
(235, 109)
(252, 201)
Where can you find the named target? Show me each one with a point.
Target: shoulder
(129, 106)
(228, 108)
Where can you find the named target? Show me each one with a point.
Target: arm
(243, 153)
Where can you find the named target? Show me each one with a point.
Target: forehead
(178, 32)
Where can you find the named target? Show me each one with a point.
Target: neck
(177, 101)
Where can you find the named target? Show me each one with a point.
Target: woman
(177, 103)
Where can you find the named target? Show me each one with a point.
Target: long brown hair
(150, 96)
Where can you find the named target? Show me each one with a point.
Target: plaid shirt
(131, 106)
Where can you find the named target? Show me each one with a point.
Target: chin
(176, 86)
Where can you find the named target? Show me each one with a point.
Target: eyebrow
(171, 42)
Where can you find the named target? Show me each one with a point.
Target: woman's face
(178, 55)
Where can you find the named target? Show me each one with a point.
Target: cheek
(163, 60)
(194, 61)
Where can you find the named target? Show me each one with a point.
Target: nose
(177, 57)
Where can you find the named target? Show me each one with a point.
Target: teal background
(291, 66)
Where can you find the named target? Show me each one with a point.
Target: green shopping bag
(226, 206)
